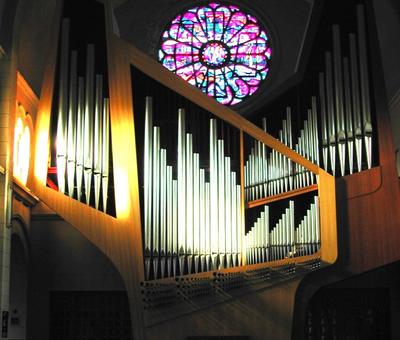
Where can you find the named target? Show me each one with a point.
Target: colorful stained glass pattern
(218, 48)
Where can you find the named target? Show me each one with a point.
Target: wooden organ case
(212, 222)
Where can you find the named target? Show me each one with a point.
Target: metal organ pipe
(355, 87)
(330, 111)
(348, 113)
(156, 198)
(228, 215)
(324, 133)
(169, 221)
(315, 128)
(221, 203)
(63, 108)
(340, 122)
(189, 200)
(213, 193)
(163, 209)
(105, 152)
(175, 247)
(202, 221)
(88, 129)
(71, 130)
(98, 139)
(196, 211)
(364, 80)
(148, 180)
(80, 124)
(181, 164)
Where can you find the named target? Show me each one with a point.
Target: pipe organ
(213, 205)
(337, 129)
(82, 129)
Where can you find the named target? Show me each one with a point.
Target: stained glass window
(218, 48)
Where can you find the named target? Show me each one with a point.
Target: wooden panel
(357, 185)
(371, 221)
(327, 202)
(266, 314)
(126, 177)
(282, 196)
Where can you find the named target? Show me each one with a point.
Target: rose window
(218, 48)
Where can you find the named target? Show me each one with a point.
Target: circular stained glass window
(218, 48)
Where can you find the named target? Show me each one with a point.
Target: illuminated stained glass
(218, 48)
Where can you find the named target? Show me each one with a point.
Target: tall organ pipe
(189, 200)
(228, 214)
(148, 179)
(348, 112)
(105, 152)
(88, 129)
(169, 224)
(71, 134)
(63, 108)
(98, 139)
(181, 188)
(234, 205)
(156, 199)
(340, 133)
(330, 111)
(209, 236)
(315, 128)
(324, 133)
(364, 80)
(196, 210)
(355, 89)
(80, 137)
(203, 220)
(163, 209)
(175, 226)
(221, 203)
(213, 188)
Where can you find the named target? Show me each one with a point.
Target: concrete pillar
(7, 107)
